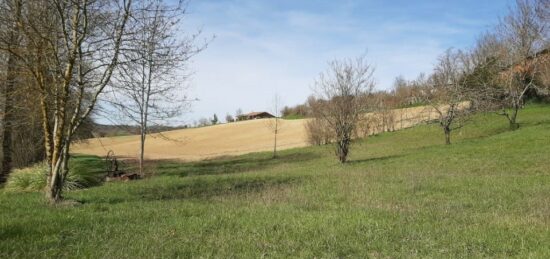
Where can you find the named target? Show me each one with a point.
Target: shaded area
(373, 159)
(232, 165)
(175, 188)
(206, 188)
(88, 170)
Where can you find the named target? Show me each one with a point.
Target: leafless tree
(150, 84)
(340, 90)
(229, 118)
(275, 124)
(10, 35)
(70, 50)
(238, 114)
(522, 35)
(203, 122)
(448, 94)
(543, 11)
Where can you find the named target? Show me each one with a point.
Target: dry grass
(231, 139)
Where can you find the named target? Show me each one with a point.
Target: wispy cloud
(263, 47)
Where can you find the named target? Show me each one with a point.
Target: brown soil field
(237, 138)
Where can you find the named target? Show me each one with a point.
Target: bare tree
(70, 50)
(340, 90)
(238, 114)
(543, 11)
(229, 118)
(20, 139)
(522, 34)
(275, 124)
(449, 96)
(150, 85)
(203, 122)
(9, 33)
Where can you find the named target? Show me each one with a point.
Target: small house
(255, 115)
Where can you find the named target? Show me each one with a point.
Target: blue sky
(265, 47)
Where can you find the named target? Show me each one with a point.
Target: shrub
(318, 133)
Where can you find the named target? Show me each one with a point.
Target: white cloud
(260, 50)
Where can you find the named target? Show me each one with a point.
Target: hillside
(225, 139)
(403, 194)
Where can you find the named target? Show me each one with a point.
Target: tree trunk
(447, 131)
(142, 150)
(55, 183)
(7, 122)
(275, 142)
(513, 118)
(342, 150)
(59, 171)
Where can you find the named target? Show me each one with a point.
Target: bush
(318, 132)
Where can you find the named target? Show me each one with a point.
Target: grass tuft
(84, 171)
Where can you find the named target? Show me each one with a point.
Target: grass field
(404, 194)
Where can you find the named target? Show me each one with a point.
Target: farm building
(254, 115)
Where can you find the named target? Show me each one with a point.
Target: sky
(265, 48)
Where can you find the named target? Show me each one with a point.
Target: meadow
(403, 194)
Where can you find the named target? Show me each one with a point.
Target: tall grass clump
(83, 172)
(31, 178)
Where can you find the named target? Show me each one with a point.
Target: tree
(275, 124)
(214, 120)
(449, 96)
(238, 114)
(229, 118)
(521, 34)
(149, 86)
(11, 37)
(70, 49)
(203, 122)
(543, 11)
(340, 105)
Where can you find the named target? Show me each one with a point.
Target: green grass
(294, 117)
(404, 194)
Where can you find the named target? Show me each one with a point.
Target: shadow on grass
(205, 189)
(374, 159)
(174, 188)
(231, 165)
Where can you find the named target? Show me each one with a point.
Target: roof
(251, 114)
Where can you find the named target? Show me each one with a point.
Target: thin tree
(275, 124)
(340, 90)
(149, 87)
